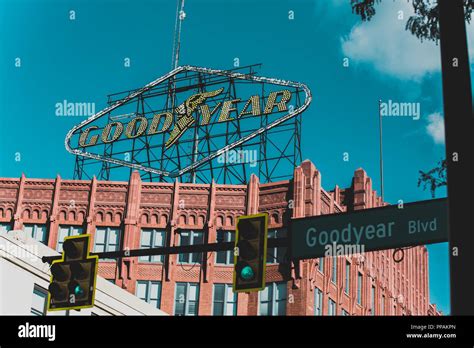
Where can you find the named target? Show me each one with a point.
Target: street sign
(388, 227)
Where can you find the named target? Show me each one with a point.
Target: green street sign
(388, 227)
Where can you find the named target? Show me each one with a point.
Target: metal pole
(183, 249)
(180, 15)
(381, 151)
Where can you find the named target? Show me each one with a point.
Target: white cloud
(384, 42)
(435, 127)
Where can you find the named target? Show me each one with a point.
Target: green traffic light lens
(78, 290)
(247, 273)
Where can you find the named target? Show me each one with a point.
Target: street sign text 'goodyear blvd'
(388, 227)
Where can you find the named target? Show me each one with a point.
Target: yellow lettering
(83, 137)
(117, 132)
(132, 125)
(156, 122)
(206, 113)
(226, 110)
(271, 102)
(255, 102)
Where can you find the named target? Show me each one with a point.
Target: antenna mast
(180, 16)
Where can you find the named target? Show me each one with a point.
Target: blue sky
(82, 61)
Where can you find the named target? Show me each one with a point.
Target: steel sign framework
(210, 113)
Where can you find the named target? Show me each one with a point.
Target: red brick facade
(401, 287)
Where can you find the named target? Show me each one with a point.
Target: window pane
(230, 294)
(155, 290)
(157, 258)
(100, 236)
(184, 240)
(218, 308)
(265, 292)
(159, 238)
(76, 230)
(192, 296)
(317, 301)
(221, 257)
(142, 290)
(281, 307)
(264, 308)
(28, 229)
(219, 292)
(229, 308)
(197, 238)
(145, 241)
(179, 308)
(192, 309)
(63, 232)
(38, 302)
(281, 291)
(113, 238)
(180, 300)
(4, 227)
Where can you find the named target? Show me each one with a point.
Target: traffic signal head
(75, 248)
(73, 277)
(250, 253)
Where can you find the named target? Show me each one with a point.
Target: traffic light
(73, 277)
(250, 253)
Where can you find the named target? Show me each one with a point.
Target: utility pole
(459, 124)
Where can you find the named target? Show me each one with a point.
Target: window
(359, 288)
(152, 238)
(37, 232)
(5, 227)
(225, 300)
(273, 299)
(225, 257)
(321, 265)
(149, 291)
(372, 304)
(318, 302)
(186, 299)
(344, 313)
(348, 277)
(334, 270)
(331, 307)
(67, 231)
(38, 304)
(190, 238)
(276, 255)
(107, 239)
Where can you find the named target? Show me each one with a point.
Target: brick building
(140, 214)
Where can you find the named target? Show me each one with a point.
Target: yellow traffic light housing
(250, 253)
(73, 278)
